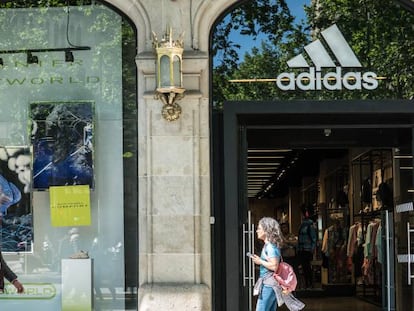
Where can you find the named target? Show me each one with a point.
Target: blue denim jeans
(267, 300)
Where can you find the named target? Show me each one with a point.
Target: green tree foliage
(380, 33)
(251, 19)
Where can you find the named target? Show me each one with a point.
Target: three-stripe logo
(315, 78)
(321, 58)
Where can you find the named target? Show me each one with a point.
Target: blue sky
(296, 8)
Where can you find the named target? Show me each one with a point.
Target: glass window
(68, 118)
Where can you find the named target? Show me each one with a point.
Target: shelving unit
(368, 285)
(336, 224)
(371, 171)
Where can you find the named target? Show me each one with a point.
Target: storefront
(68, 144)
(318, 170)
(328, 134)
(159, 200)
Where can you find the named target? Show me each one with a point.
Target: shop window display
(62, 139)
(73, 118)
(15, 207)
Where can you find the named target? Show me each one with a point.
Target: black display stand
(371, 171)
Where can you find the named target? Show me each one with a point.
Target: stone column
(174, 159)
(174, 192)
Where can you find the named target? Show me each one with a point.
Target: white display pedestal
(77, 287)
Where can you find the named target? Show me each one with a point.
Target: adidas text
(313, 80)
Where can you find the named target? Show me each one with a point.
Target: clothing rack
(368, 285)
(371, 170)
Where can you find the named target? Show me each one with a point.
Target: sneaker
(80, 255)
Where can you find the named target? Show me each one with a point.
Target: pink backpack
(286, 277)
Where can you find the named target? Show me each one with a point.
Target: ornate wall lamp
(169, 74)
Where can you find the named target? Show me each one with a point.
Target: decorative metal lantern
(169, 74)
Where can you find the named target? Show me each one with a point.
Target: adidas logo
(317, 79)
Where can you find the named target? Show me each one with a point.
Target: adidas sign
(316, 78)
(313, 80)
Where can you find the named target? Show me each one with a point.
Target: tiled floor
(337, 304)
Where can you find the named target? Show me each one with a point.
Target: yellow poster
(70, 205)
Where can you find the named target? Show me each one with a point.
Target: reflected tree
(379, 32)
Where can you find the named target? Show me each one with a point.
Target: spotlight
(32, 59)
(68, 56)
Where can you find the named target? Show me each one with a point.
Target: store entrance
(338, 189)
(345, 167)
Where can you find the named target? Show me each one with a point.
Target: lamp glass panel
(177, 71)
(165, 71)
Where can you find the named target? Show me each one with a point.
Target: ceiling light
(269, 150)
(263, 163)
(262, 169)
(32, 59)
(69, 56)
(327, 132)
(266, 157)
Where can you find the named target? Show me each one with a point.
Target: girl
(268, 230)
(269, 291)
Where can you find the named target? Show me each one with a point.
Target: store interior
(341, 178)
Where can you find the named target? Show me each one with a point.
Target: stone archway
(174, 165)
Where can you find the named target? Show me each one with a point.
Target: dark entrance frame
(228, 141)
